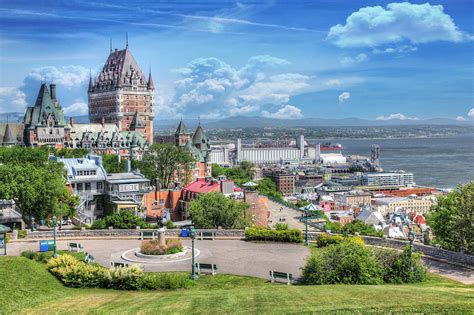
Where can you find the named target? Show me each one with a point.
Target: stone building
(44, 122)
(197, 144)
(121, 93)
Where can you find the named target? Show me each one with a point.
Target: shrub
(22, 233)
(124, 219)
(129, 278)
(281, 226)
(345, 263)
(170, 225)
(358, 226)
(401, 267)
(153, 247)
(78, 274)
(324, 240)
(263, 234)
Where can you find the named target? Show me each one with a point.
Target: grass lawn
(28, 287)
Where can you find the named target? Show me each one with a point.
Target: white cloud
(12, 99)
(396, 117)
(209, 86)
(398, 22)
(403, 49)
(345, 96)
(470, 114)
(66, 76)
(348, 61)
(79, 107)
(461, 118)
(286, 112)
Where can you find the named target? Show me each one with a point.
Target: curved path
(231, 256)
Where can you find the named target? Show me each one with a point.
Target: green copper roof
(135, 138)
(43, 108)
(137, 121)
(181, 130)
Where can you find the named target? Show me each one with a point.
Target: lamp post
(306, 224)
(55, 254)
(192, 233)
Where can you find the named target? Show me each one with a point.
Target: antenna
(126, 40)
(110, 44)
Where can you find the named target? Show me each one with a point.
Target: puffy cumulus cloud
(396, 23)
(344, 97)
(67, 76)
(286, 112)
(396, 117)
(78, 107)
(470, 114)
(71, 82)
(461, 118)
(209, 86)
(12, 99)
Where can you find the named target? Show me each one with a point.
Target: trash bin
(184, 232)
(46, 245)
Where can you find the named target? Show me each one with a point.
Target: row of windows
(86, 173)
(86, 186)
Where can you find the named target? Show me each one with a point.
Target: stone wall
(133, 233)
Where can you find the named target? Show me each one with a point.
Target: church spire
(90, 81)
(8, 136)
(150, 84)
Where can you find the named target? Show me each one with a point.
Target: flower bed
(153, 247)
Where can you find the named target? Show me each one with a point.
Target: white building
(388, 179)
(298, 150)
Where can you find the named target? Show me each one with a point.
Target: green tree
(71, 153)
(214, 209)
(217, 170)
(452, 219)
(345, 263)
(38, 191)
(21, 155)
(268, 187)
(164, 162)
(112, 164)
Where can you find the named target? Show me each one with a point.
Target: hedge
(75, 273)
(263, 234)
(324, 240)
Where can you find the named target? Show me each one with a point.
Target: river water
(438, 162)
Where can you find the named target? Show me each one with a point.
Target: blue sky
(334, 58)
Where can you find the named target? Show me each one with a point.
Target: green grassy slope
(32, 289)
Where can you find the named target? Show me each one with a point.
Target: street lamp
(192, 233)
(55, 254)
(411, 237)
(306, 224)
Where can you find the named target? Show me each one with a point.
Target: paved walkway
(231, 256)
(284, 214)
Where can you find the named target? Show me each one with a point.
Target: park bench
(118, 264)
(88, 258)
(147, 234)
(207, 235)
(210, 268)
(281, 275)
(74, 247)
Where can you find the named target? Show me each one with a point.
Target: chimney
(71, 121)
(102, 122)
(52, 87)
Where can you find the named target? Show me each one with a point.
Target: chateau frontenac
(121, 92)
